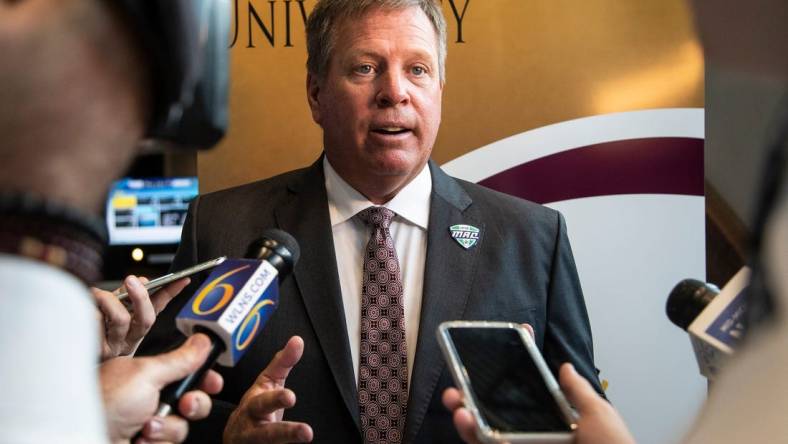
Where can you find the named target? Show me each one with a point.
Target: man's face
(380, 102)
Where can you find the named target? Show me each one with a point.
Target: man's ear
(313, 96)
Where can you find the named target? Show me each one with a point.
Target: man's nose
(393, 89)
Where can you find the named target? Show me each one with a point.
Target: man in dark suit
(376, 75)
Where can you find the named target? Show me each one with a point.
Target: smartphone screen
(509, 390)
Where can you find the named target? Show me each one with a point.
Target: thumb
(577, 390)
(177, 364)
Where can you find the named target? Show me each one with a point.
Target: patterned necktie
(383, 363)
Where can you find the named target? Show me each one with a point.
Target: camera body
(187, 41)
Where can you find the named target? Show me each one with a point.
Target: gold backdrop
(521, 64)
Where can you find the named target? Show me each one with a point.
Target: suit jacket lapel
(448, 275)
(306, 218)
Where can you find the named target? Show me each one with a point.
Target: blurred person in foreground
(74, 101)
(749, 400)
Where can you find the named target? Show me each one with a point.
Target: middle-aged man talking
(391, 247)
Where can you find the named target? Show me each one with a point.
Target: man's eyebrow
(415, 52)
(423, 53)
(363, 53)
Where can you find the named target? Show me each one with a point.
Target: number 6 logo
(228, 292)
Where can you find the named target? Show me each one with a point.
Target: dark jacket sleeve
(568, 331)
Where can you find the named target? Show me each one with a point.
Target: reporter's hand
(258, 418)
(130, 389)
(462, 418)
(599, 422)
(121, 332)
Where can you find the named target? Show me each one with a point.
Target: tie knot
(377, 216)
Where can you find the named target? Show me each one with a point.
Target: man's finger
(452, 399)
(284, 361)
(164, 295)
(465, 424)
(462, 418)
(577, 390)
(269, 401)
(116, 318)
(172, 366)
(212, 383)
(194, 405)
(144, 314)
(168, 429)
(281, 432)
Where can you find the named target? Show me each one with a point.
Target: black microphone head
(687, 299)
(277, 247)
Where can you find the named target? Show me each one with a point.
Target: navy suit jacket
(520, 270)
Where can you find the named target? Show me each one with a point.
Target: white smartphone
(506, 383)
(171, 277)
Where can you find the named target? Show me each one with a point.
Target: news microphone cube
(717, 330)
(235, 302)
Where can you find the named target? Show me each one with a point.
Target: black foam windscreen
(278, 247)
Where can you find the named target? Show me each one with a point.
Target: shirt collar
(411, 203)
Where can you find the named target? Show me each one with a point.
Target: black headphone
(188, 45)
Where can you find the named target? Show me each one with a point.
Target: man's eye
(418, 70)
(365, 69)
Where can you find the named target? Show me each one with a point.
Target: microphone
(233, 305)
(714, 319)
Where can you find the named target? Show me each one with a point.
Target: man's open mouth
(391, 130)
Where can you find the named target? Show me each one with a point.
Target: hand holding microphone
(130, 390)
(232, 306)
(222, 319)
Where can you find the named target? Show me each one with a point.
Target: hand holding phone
(126, 322)
(507, 387)
(599, 421)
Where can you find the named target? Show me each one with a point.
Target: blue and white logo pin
(465, 235)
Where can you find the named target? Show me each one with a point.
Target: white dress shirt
(48, 357)
(409, 231)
